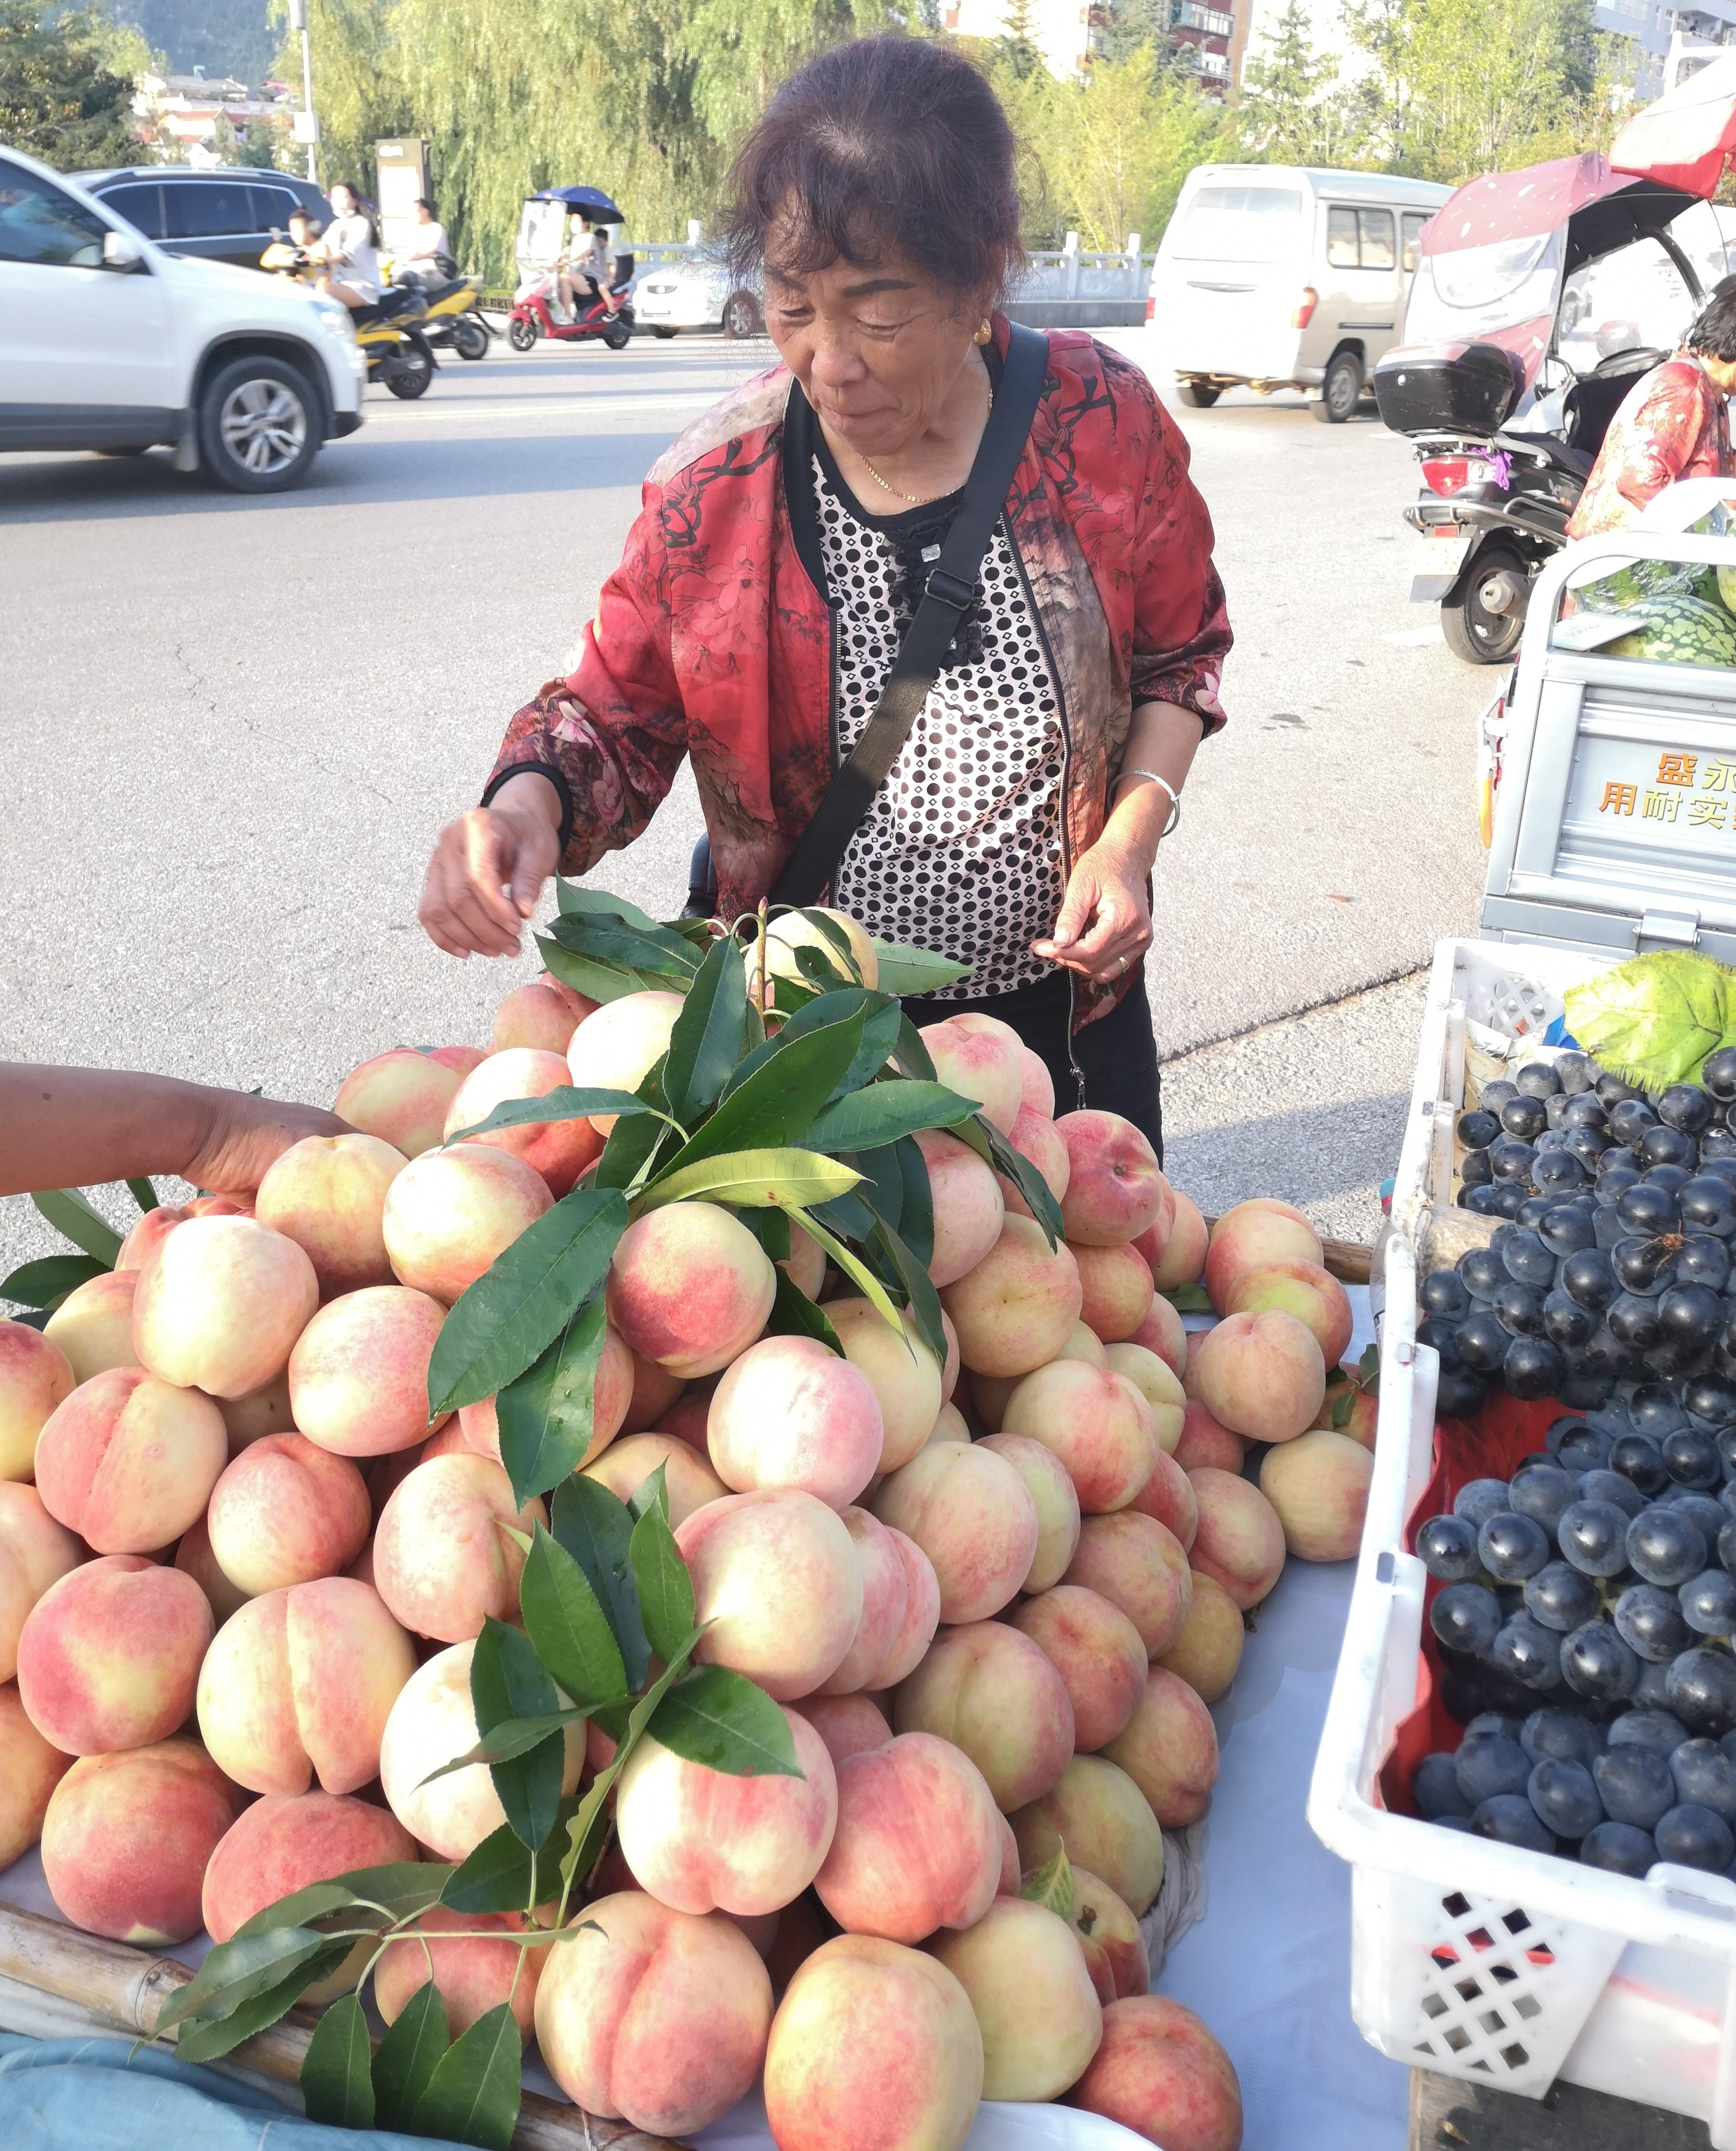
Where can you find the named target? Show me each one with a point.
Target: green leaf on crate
(509, 1684)
(912, 1056)
(709, 1035)
(405, 2058)
(752, 1179)
(916, 1214)
(564, 1619)
(498, 1876)
(572, 900)
(47, 1282)
(721, 1721)
(919, 1289)
(906, 970)
(651, 1493)
(987, 1140)
(237, 1971)
(472, 2094)
(597, 1531)
(500, 1325)
(665, 1589)
(1052, 1885)
(334, 2078)
(564, 1103)
(631, 1146)
(69, 1213)
(768, 1105)
(882, 1112)
(855, 1268)
(589, 1830)
(548, 1415)
(208, 2037)
(598, 982)
(144, 1195)
(794, 1314)
(1190, 1298)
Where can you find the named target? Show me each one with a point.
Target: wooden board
(1348, 1260)
(1449, 2115)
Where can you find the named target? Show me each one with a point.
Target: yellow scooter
(452, 321)
(389, 332)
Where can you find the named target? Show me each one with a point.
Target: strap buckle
(947, 591)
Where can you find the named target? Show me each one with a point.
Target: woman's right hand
(488, 867)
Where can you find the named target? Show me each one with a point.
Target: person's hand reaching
(1104, 926)
(487, 870)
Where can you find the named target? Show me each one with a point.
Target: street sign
(401, 165)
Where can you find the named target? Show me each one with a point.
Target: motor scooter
(453, 319)
(398, 354)
(534, 315)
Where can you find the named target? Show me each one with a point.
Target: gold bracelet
(1175, 796)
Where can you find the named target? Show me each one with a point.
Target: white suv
(107, 343)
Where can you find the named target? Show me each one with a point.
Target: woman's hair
(1713, 333)
(889, 144)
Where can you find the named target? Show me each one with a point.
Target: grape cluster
(1585, 1626)
(1613, 1264)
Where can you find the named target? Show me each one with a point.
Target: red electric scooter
(533, 315)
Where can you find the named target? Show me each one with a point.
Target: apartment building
(1068, 33)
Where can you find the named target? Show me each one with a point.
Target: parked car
(698, 293)
(222, 215)
(1277, 276)
(108, 342)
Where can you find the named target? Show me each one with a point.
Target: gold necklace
(914, 499)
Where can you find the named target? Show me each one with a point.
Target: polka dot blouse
(960, 851)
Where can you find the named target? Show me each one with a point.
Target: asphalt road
(233, 727)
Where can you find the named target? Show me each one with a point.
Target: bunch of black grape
(1613, 1262)
(1586, 1629)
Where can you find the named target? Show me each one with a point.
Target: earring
(985, 334)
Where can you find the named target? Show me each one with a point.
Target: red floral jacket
(713, 638)
(1673, 424)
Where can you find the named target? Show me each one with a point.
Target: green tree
(1289, 112)
(62, 98)
(1016, 49)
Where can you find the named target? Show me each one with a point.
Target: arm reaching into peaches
(74, 1127)
(488, 867)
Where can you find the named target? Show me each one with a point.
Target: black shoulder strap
(948, 594)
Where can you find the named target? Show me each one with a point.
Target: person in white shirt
(590, 270)
(346, 246)
(427, 250)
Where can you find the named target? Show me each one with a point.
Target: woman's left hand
(1105, 924)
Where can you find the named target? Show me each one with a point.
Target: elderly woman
(782, 546)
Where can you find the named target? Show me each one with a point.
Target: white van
(1277, 276)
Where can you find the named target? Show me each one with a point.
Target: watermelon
(1680, 631)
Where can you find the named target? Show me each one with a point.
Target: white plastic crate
(1478, 1959)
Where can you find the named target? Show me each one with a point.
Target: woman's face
(877, 348)
(343, 201)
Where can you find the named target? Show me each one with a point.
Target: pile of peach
(237, 1604)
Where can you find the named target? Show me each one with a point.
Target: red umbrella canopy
(1683, 140)
(1505, 205)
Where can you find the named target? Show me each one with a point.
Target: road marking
(550, 408)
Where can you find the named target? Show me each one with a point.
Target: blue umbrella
(592, 199)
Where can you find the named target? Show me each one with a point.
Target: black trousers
(1116, 1056)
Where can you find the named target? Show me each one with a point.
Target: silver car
(698, 293)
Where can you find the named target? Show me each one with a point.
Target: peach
(1163, 1331)
(655, 2017)
(1319, 1486)
(478, 1430)
(450, 1213)
(285, 1512)
(127, 1837)
(442, 1563)
(567, 996)
(463, 1060)
(617, 1045)
(1017, 1308)
(1250, 1235)
(36, 1377)
(655, 1389)
(358, 1376)
(690, 1286)
(922, 1613)
(791, 1412)
(1051, 1489)
(220, 1303)
(194, 1558)
(979, 1057)
(327, 1193)
(686, 1419)
(885, 1601)
(1157, 1382)
(1114, 1188)
(967, 1205)
(1137, 1565)
(953, 1366)
(1262, 1376)
(805, 1266)
(777, 1574)
(109, 1656)
(1204, 1444)
(1116, 1285)
(94, 1325)
(299, 1684)
(905, 1375)
(474, 1974)
(261, 1412)
(861, 2017)
(1240, 1542)
(1347, 1408)
(1208, 1650)
(950, 1426)
(30, 1769)
(400, 1097)
(1311, 1294)
(1083, 1343)
(1034, 1136)
(1169, 1748)
(1098, 1652)
(700, 1840)
(129, 1461)
(1036, 1085)
(625, 1465)
(918, 1842)
(1095, 1421)
(156, 1226)
(790, 931)
(1184, 1253)
(1160, 2073)
(995, 1694)
(538, 1016)
(35, 1552)
(1035, 2006)
(847, 1724)
(1103, 1922)
(1168, 1497)
(971, 1514)
(560, 1150)
(1101, 1816)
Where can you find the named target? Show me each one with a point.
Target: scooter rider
(427, 254)
(591, 266)
(348, 246)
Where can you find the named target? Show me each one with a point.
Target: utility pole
(307, 126)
